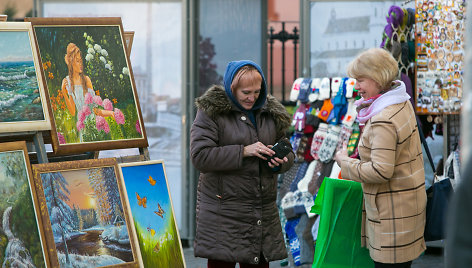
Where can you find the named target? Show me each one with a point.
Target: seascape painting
(90, 86)
(20, 233)
(22, 105)
(152, 212)
(88, 222)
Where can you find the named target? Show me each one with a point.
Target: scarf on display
(372, 106)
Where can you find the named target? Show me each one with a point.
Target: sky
(79, 187)
(15, 46)
(136, 181)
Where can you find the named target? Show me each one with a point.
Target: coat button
(243, 118)
(259, 222)
(256, 259)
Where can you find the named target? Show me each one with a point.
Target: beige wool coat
(391, 172)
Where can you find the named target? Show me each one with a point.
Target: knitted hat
(395, 16)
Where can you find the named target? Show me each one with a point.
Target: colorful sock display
(325, 110)
(318, 138)
(329, 144)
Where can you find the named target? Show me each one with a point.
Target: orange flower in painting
(51, 76)
(45, 66)
(49, 63)
(114, 101)
(54, 106)
(97, 92)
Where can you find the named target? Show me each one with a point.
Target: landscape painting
(90, 84)
(21, 235)
(84, 207)
(22, 101)
(152, 211)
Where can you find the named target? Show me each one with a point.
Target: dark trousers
(393, 265)
(225, 264)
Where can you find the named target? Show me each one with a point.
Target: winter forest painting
(20, 240)
(87, 218)
(151, 208)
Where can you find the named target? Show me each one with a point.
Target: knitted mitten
(351, 113)
(315, 89)
(329, 144)
(346, 132)
(304, 90)
(293, 239)
(325, 89)
(303, 183)
(318, 138)
(295, 140)
(335, 84)
(350, 84)
(307, 251)
(299, 117)
(325, 110)
(353, 139)
(295, 89)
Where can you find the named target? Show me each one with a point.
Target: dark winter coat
(237, 216)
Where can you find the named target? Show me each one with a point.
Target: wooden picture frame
(23, 105)
(88, 53)
(3, 17)
(146, 187)
(22, 225)
(85, 214)
(129, 36)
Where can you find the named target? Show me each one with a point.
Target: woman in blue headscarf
(230, 140)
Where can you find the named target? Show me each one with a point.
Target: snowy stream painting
(88, 222)
(20, 240)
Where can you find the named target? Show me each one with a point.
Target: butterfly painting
(152, 213)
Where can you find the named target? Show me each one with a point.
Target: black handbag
(438, 195)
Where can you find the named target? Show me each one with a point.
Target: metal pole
(295, 42)
(283, 61)
(271, 49)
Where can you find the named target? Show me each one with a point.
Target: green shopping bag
(339, 204)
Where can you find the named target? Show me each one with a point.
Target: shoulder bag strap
(425, 144)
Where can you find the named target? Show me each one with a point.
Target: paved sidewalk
(433, 258)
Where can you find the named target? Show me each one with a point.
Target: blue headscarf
(231, 70)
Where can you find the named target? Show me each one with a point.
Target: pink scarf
(375, 105)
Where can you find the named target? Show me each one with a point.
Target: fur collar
(215, 102)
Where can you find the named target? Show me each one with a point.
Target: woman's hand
(257, 149)
(341, 154)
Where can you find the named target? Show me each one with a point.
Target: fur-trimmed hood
(215, 101)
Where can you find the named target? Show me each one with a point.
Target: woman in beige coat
(390, 167)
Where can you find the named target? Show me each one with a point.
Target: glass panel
(229, 30)
(156, 60)
(341, 30)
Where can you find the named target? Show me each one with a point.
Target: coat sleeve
(206, 153)
(383, 145)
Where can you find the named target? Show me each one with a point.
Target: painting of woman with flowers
(92, 94)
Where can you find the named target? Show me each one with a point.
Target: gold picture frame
(94, 105)
(85, 214)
